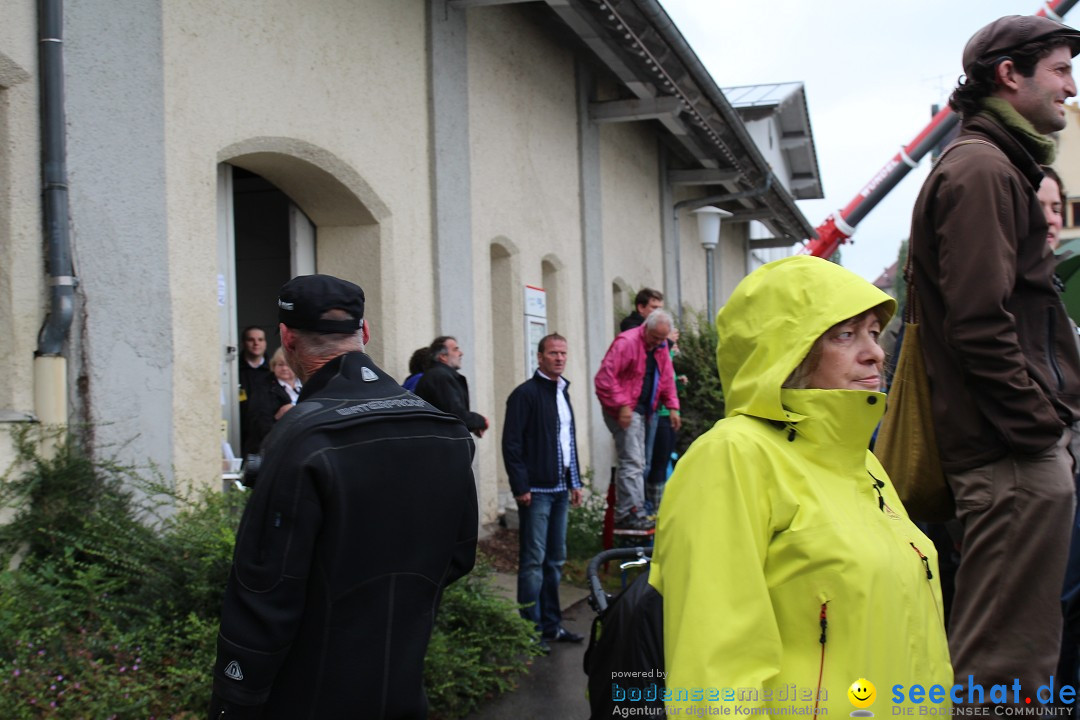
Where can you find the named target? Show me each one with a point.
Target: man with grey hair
(635, 377)
(443, 385)
(324, 616)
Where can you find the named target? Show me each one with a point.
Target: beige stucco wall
(730, 260)
(525, 180)
(344, 85)
(22, 289)
(630, 191)
(331, 102)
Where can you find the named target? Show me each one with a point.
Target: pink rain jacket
(622, 373)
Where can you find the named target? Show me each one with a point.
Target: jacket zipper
(1051, 344)
(925, 561)
(929, 574)
(878, 484)
(823, 621)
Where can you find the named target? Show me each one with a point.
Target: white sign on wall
(535, 324)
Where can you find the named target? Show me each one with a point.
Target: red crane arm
(841, 225)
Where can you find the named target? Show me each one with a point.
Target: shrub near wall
(114, 609)
(701, 398)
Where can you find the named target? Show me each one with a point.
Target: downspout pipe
(50, 366)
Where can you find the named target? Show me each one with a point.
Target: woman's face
(850, 357)
(1050, 200)
(283, 372)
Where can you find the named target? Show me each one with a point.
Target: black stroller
(625, 657)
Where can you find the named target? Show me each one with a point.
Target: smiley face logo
(862, 693)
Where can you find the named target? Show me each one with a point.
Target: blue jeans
(542, 542)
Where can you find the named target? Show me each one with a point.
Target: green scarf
(1041, 147)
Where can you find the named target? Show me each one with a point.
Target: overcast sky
(871, 70)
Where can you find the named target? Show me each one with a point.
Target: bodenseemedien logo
(862, 695)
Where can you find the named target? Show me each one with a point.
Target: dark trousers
(663, 446)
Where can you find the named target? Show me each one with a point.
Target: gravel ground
(501, 548)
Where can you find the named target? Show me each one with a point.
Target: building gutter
(667, 30)
(50, 365)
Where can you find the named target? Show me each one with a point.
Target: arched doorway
(287, 208)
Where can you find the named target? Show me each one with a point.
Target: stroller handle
(599, 596)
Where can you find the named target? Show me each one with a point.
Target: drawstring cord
(824, 622)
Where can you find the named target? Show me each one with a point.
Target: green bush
(114, 608)
(701, 399)
(479, 646)
(585, 525)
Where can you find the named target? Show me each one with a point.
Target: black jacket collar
(349, 369)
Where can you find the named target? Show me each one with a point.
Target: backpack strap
(911, 308)
(970, 141)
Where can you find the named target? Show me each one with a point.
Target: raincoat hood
(771, 322)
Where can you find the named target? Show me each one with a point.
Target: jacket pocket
(1051, 347)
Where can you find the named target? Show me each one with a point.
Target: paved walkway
(554, 688)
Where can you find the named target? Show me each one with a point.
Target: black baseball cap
(303, 299)
(1010, 32)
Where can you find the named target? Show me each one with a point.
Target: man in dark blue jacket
(540, 454)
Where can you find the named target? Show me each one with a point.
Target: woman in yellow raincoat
(789, 569)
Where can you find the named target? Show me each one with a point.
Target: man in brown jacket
(1000, 352)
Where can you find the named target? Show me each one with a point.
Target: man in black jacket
(364, 510)
(540, 454)
(447, 389)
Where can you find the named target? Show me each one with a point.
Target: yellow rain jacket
(788, 567)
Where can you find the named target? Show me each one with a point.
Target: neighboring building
(444, 154)
(778, 119)
(886, 281)
(1067, 165)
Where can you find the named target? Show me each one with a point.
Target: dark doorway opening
(263, 255)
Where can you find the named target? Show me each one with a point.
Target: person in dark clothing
(330, 603)
(252, 370)
(540, 454)
(418, 363)
(446, 388)
(645, 302)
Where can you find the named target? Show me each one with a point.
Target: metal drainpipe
(50, 366)
(694, 204)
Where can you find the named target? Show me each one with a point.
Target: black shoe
(635, 523)
(562, 635)
(542, 646)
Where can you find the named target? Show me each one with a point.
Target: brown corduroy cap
(1012, 31)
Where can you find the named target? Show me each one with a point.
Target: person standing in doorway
(253, 370)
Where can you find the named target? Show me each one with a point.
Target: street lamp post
(709, 219)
